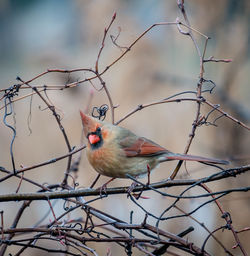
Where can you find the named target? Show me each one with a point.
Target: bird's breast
(107, 160)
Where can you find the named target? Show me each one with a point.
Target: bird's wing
(139, 146)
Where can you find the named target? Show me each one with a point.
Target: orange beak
(93, 138)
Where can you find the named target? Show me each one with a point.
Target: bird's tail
(194, 158)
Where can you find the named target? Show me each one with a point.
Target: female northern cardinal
(115, 151)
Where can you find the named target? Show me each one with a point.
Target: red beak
(93, 138)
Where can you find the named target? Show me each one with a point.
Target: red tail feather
(195, 158)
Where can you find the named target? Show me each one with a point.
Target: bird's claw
(102, 190)
(130, 191)
(131, 187)
(104, 187)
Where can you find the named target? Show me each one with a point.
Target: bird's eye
(98, 129)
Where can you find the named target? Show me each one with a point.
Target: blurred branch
(51, 161)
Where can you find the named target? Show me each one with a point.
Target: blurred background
(40, 35)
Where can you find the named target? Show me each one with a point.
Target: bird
(117, 152)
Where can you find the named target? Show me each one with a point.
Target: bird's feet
(103, 188)
(132, 187)
(131, 193)
(135, 195)
(134, 184)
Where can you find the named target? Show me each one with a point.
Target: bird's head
(93, 130)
